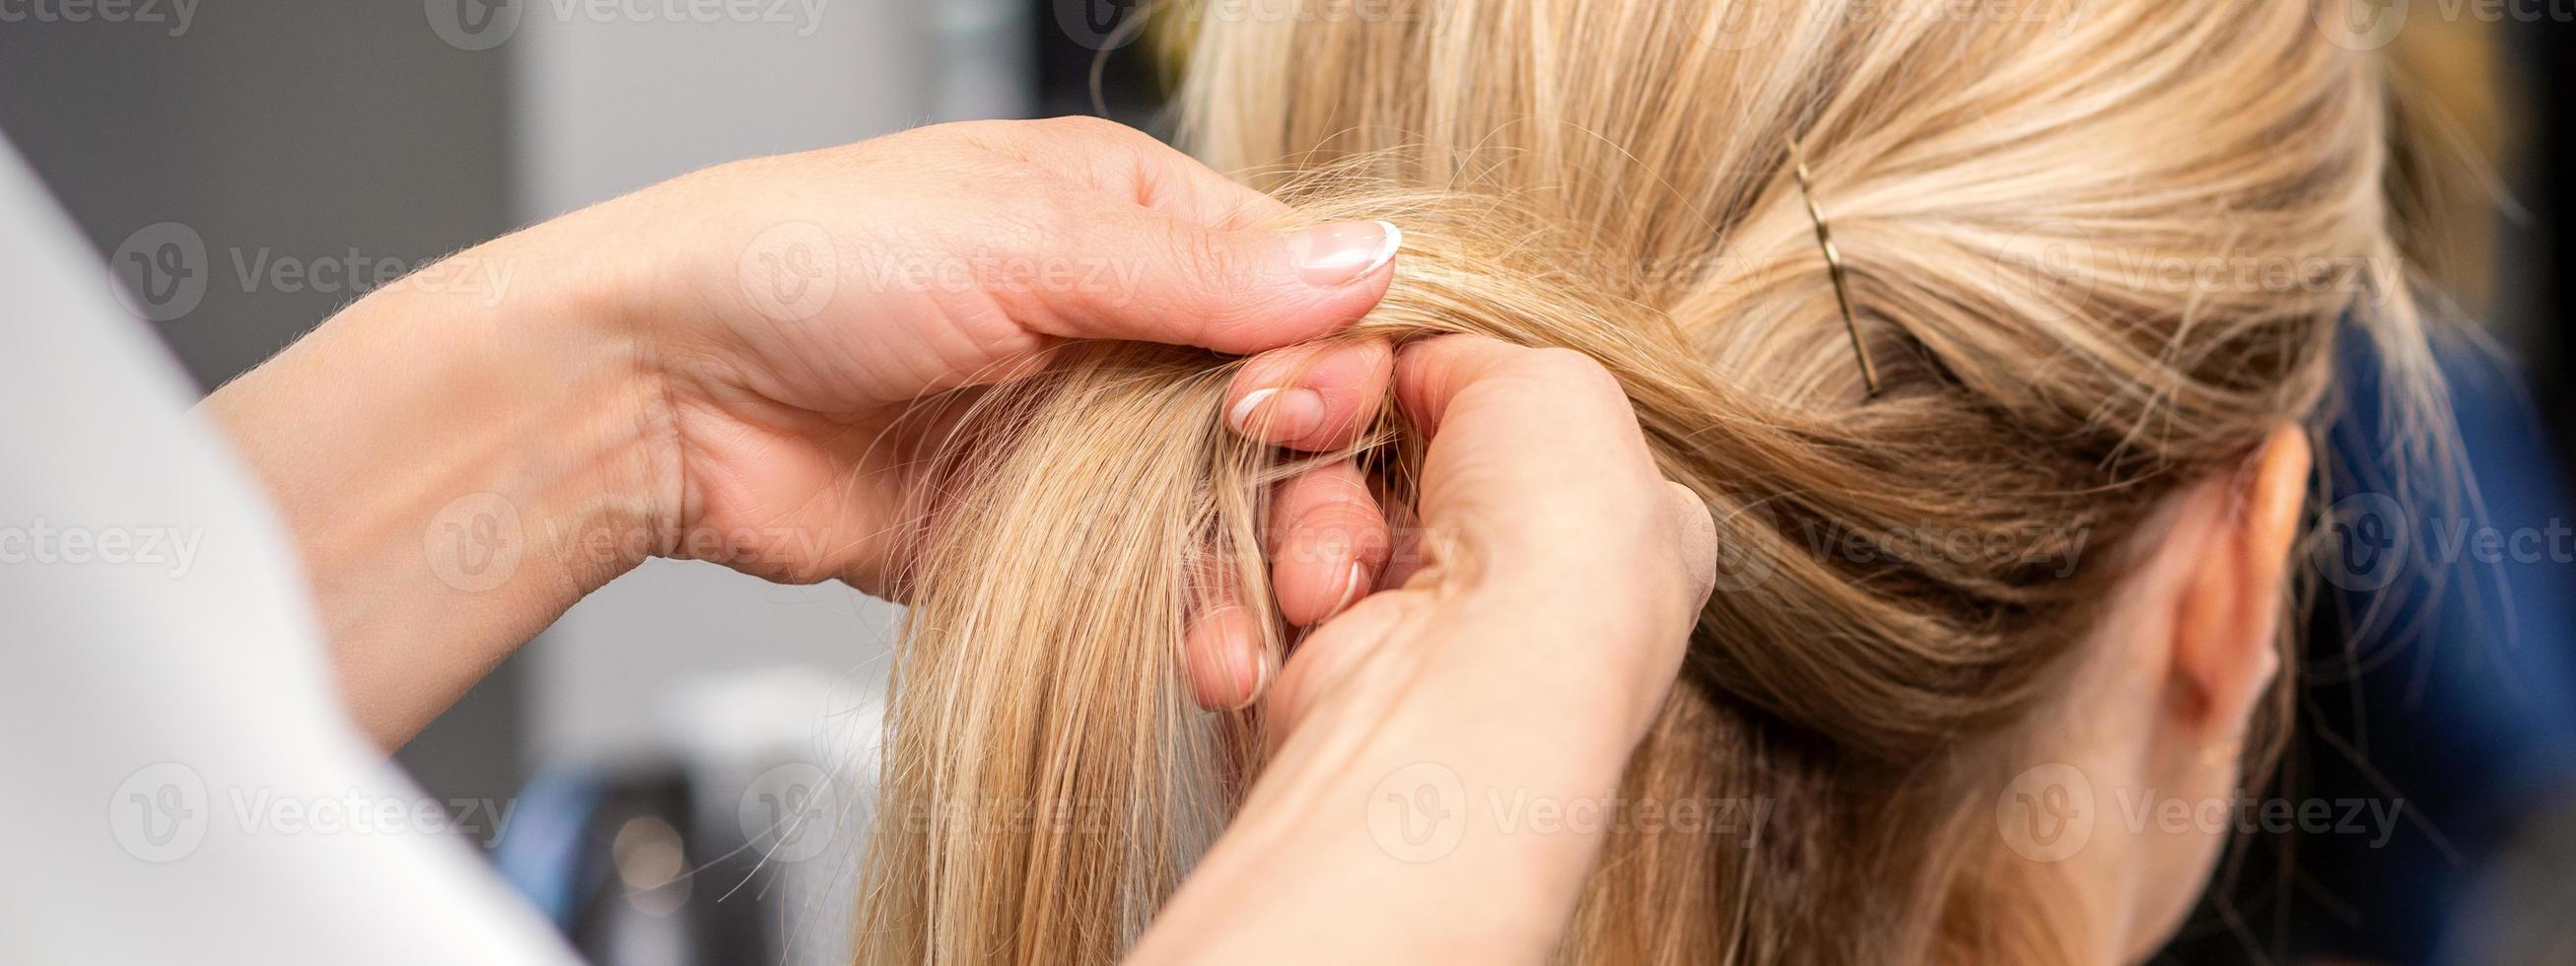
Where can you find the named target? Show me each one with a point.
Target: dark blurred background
(690, 718)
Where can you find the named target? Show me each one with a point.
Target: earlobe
(2226, 652)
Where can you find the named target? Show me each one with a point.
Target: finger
(1331, 543)
(1698, 530)
(1311, 397)
(1221, 650)
(1227, 669)
(1432, 375)
(1533, 453)
(1544, 423)
(1329, 657)
(1148, 276)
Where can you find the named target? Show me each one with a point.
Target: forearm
(458, 456)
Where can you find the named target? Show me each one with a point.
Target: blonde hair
(2098, 252)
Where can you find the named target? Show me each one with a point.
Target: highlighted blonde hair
(2099, 251)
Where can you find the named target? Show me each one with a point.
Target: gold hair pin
(1834, 268)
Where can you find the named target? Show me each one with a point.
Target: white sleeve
(178, 783)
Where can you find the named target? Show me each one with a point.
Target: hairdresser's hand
(740, 365)
(1515, 671)
(818, 300)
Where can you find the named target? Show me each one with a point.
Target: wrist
(594, 444)
(460, 456)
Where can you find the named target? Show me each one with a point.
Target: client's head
(2098, 256)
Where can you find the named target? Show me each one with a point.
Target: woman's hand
(1515, 671)
(736, 365)
(825, 295)
(800, 310)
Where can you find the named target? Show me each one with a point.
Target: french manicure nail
(1276, 414)
(1260, 683)
(1331, 256)
(1354, 586)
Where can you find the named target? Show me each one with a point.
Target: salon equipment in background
(739, 847)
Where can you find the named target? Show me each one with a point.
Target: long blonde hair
(2098, 251)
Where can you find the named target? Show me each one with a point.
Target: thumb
(1234, 290)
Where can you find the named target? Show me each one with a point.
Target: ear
(2228, 621)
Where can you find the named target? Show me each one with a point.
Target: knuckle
(1083, 122)
(1207, 258)
(1084, 127)
(1566, 366)
(1574, 372)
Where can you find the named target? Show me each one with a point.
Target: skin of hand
(1518, 668)
(744, 364)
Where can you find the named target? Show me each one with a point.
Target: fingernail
(1276, 414)
(1260, 683)
(1331, 256)
(1354, 586)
